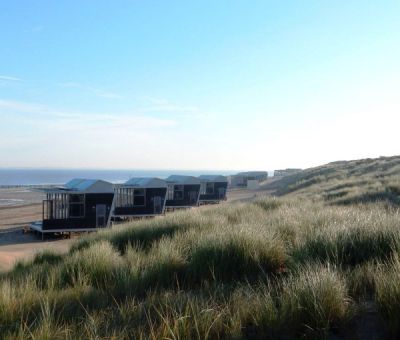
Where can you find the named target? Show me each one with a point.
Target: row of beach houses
(88, 204)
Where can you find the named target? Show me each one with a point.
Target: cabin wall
(186, 201)
(89, 220)
(148, 209)
(216, 195)
(238, 181)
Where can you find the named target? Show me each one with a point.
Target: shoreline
(28, 186)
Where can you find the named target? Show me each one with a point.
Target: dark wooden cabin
(213, 188)
(80, 205)
(140, 197)
(182, 191)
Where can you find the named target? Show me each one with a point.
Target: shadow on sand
(15, 235)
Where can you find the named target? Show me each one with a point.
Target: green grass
(347, 183)
(387, 283)
(294, 267)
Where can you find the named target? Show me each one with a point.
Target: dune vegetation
(299, 265)
(360, 181)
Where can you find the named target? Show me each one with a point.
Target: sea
(37, 177)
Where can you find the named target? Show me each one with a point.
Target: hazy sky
(198, 84)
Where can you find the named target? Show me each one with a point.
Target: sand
(14, 244)
(27, 207)
(19, 206)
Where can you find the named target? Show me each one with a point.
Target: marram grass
(260, 270)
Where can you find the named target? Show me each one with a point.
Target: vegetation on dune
(347, 183)
(267, 269)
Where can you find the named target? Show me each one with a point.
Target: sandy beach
(21, 206)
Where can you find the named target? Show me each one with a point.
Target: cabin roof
(80, 184)
(146, 182)
(84, 186)
(180, 179)
(213, 178)
(252, 173)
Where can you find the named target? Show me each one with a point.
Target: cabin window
(203, 187)
(139, 198)
(178, 192)
(76, 206)
(210, 188)
(170, 192)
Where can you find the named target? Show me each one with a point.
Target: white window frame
(170, 192)
(123, 197)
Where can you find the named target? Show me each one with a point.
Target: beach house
(212, 188)
(80, 205)
(182, 191)
(140, 197)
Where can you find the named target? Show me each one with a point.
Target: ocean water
(15, 177)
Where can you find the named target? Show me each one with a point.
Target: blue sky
(199, 84)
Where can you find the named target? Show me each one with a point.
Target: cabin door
(193, 195)
(157, 205)
(221, 193)
(101, 215)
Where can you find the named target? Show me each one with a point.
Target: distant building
(212, 188)
(286, 172)
(182, 191)
(253, 184)
(241, 179)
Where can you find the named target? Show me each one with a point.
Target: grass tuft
(295, 267)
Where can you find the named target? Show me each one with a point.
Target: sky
(250, 85)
